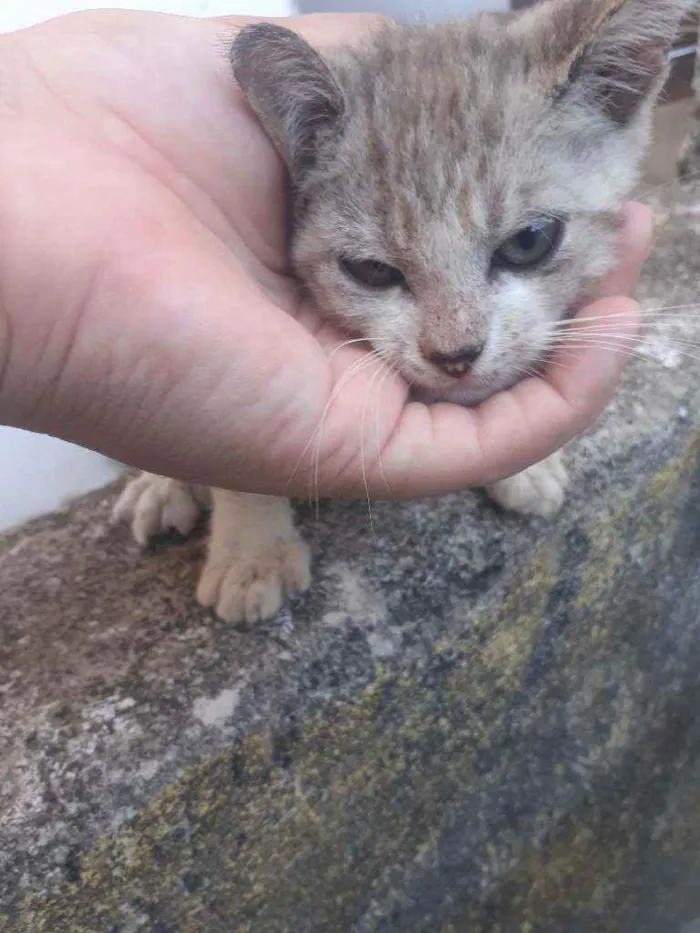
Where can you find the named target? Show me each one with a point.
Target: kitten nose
(459, 363)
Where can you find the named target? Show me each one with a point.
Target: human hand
(145, 306)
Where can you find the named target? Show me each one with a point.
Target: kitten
(455, 191)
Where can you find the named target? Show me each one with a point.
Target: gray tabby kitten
(455, 191)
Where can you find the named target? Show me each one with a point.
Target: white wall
(15, 14)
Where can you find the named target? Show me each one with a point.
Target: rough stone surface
(473, 723)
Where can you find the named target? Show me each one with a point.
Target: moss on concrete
(425, 803)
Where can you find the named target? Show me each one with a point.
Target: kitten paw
(539, 490)
(155, 504)
(251, 588)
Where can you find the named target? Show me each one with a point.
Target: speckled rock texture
(474, 723)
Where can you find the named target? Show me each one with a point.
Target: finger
(635, 244)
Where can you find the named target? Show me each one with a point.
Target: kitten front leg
(539, 490)
(256, 557)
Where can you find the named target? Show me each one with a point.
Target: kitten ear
(613, 51)
(291, 89)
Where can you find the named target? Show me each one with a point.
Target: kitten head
(456, 187)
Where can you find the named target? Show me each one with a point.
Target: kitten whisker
(663, 313)
(351, 371)
(380, 373)
(546, 362)
(613, 348)
(588, 333)
(316, 435)
(355, 340)
(390, 370)
(620, 347)
(629, 338)
(354, 370)
(685, 177)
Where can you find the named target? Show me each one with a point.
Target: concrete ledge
(475, 724)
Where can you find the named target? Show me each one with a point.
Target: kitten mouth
(457, 370)
(458, 394)
(463, 390)
(469, 390)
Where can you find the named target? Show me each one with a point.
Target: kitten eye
(530, 246)
(372, 273)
